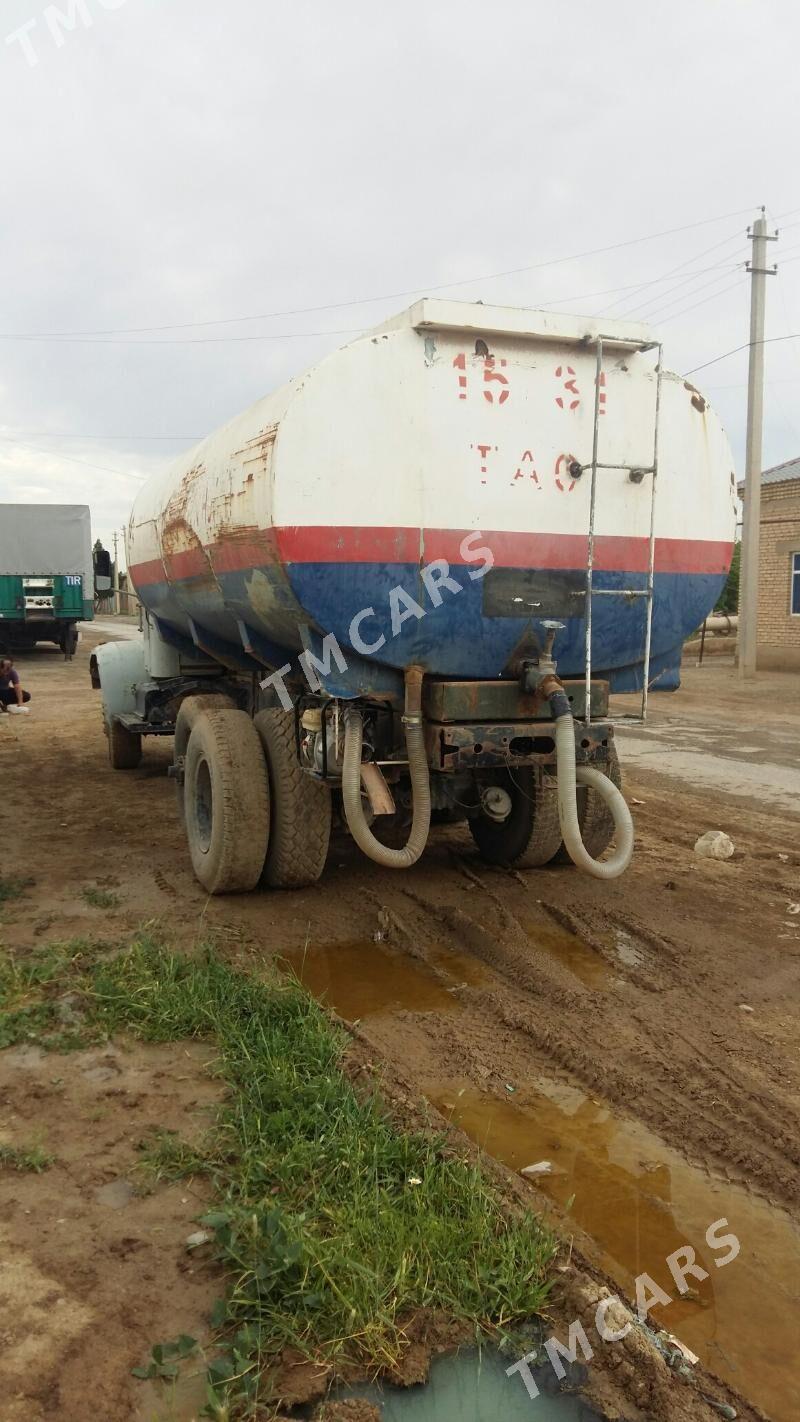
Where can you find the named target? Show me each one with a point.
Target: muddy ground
(640, 1036)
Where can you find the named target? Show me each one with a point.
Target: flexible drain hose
(420, 782)
(569, 776)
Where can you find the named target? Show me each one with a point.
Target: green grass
(334, 1226)
(163, 1155)
(13, 888)
(32, 1158)
(29, 995)
(100, 898)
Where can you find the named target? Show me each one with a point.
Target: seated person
(11, 694)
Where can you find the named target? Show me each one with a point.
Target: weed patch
(13, 888)
(31, 1009)
(163, 1156)
(335, 1227)
(32, 1158)
(100, 898)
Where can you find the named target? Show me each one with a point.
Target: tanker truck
(402, 589)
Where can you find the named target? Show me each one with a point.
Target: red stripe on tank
(337, 545)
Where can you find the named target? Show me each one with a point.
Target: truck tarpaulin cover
(47, 539)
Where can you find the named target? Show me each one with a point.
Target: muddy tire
(595, 820)
(124, 747)
(531, 834)
(300, 809)
(190, 708)
(226, 802)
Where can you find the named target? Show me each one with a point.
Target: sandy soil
(661, 1010)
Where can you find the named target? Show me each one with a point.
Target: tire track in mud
(532, 1016)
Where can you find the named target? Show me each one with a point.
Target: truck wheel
(531, 833)
(300, 827)
(124, 746)
(595, 819)
(226, 800)
(190, 708)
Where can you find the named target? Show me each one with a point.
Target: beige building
(779, 568)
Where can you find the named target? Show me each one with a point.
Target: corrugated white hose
(569, 777)
(420, 782)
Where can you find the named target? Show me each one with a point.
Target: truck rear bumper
(474, 725)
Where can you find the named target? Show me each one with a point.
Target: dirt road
(641, 1036)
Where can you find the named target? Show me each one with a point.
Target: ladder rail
(590, 546)
(651, 562)
(648, 592)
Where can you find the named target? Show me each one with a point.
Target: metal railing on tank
(636, 474)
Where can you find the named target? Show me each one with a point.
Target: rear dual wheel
(251, 814)
(226, 801)
(530, 836)
(190, 709)
(301, 808)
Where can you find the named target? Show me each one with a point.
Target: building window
(796, 584)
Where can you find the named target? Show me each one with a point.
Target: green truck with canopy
(46, 574)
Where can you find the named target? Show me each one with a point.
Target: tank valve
(536, 674)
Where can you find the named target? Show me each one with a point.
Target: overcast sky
(177, 161)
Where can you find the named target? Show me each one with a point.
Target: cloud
(182, 163)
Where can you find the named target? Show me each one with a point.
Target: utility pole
(748, 577)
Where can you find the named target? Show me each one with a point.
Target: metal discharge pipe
(420, 781)
(569, 776)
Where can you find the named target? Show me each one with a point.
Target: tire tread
(236, 861)
(301, 808)
(124, 747)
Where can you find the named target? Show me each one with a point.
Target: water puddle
(471, 1387)
(570, 952)
(463, 969)
(640, 1201)
(363, 979)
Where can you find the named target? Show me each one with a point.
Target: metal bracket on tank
(222, 652)
(262, 649)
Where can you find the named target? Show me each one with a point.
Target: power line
(660, 298)
(385, 296)
(62, 434)
(686, 309)
(733, 237)
(71, 459)
(658, 304)
(224, 340)
(179, 341)
(66, 340)
(631, 286)
(794, 336)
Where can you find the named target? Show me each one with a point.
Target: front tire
(531, 834)
(226, 801)
(300, 828)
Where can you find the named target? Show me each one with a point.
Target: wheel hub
(496, 803)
